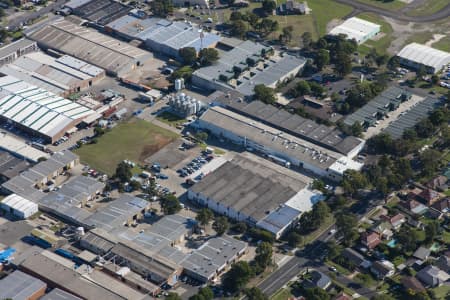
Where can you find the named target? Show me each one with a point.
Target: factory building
(116, 57)
(20, 149)
(324, 136)
(11, 52)
(161, 35)
(260, 193)
(21, 286)
(98, 11)
(378, 107)
(243, 65)
(213, 258)
(18, 206)
(62, 76)
(57, 294)
(416, 55)
(276, 145)
(38, 111)
(357, 29)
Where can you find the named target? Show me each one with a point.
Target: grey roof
(381, 104)
(422, 253)
(65, 157)
(57, 294)
(51, 271)
(425, 55)
(13, 47)
(412, 117)
(100, 239)
(248, 187)
(213, 256)
(328, 137)
(101, 11)
(118, 212)
(353, 256)
(319, 279)
(20, 286)
(22, 186)
(270, 138)
(90, 46)
(11, 166)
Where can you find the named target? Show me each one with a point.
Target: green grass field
(428, 8)
(301, 24)
(282, 294)
(134, 140)
(420, 37)
(170, 119)
(324, 11)
(443, 44)
(390, 5)
(383, 43)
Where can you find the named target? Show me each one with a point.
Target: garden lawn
(134, 140)
(282, 294)
(324, 11)
(443, 44)
(428, 8)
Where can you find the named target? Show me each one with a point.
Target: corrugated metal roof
(425, 55)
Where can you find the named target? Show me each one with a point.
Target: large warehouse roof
(56, 75)
(38, 109)
(18, 203)
(20, 286)
(412, 117)
(86, 44)
(425, 55)
(328, 137)
(356, 28)
(248, 187)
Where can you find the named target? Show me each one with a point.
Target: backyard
(134, 140)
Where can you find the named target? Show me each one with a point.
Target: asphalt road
(442, 14)
(29, 16)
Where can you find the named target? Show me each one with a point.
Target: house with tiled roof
(443, 205)
(412, 284)
(395, 221)
(429, 196)
(415, 207)
(370, 239)
(438, 183)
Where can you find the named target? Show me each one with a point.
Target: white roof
(38, 109)
(344, 163)
(20, 148)
(355, 28)
(19, 203)
(305, 200)
(425, 55)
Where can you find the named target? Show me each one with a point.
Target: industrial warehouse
(357, 29)
(415, 55)
(116, 57)
(280, 146)
(274, 197)
(62, 76)
(38, 111)
(243, 65)
(161, 35)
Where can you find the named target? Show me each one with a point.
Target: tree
(394, 63)
(421, 72)
(162, 8)
(173, 296)
(188, 55)
(268, 6)
(204, 216)
(307, 39)
(353, 181)
(301, 88)
(382, 297)
(251, 18)
(183, 72)
(264, 94)
(238, 28)
(235, 16)
(322, 43)
(357, 129)
(287, 33)
(201, 135)
(263, 256)
(207, 293)
(267, 26)
(407, 238)
(322, 59)
(123, 172)
(220, 225)
(316, 294)
(431, 231)
(237, 277)
(208, 56)
(429, 160)
(170, 204)
(294, 239)
(255, 293)
(239, 227)
(343, 64)
(347, 225)
(99, 131)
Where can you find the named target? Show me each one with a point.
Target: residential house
(382, 269)
(438, 183)
(384, 230)
(292, 7)
(429, 196)
(342, 296)
(355, 258)
(443, 263)
(416, 223)
(412, 284)
(395, 221)
(415, 207)
(432, 276)
(442, 205)
(317, 279)
(422, 253)
(370, 240)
